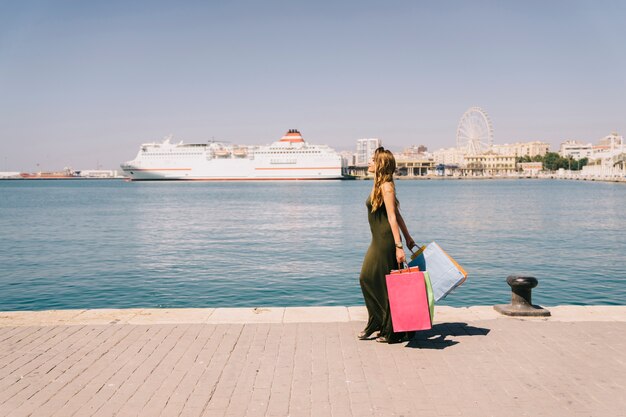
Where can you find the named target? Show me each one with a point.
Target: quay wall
(564, 313)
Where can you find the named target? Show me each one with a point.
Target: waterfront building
(498, 160)
(489, 163)
(531, 168)
(10, 174)
(518, 149)
(414, 166)
(100, 173)
(365, 149)
(576, 149)
(414, 161)
(608, 159)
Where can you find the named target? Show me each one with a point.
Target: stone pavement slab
(247, 315)
(171, 315)
(214, 362)
(315, 314)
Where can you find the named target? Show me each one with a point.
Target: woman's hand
(400, 256)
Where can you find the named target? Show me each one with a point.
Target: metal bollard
(521, 298)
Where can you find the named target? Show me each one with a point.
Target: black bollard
(521, 298)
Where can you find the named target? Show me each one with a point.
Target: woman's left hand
(400, 256)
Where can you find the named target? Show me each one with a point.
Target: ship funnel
(292, 136)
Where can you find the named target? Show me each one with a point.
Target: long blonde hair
(384, 167)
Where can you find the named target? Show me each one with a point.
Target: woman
(385, 252)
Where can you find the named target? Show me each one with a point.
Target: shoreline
(357, 178)
(550, 177)
(282, 315)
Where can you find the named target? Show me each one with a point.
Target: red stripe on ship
(282, 169)
(239, 179)
(157, 169)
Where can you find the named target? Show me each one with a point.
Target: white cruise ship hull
(233, 170)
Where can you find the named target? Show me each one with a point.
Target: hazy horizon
(83, 84)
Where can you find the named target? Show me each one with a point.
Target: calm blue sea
(115, 244)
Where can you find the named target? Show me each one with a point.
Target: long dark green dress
(380, 259)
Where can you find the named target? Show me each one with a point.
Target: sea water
(115, 244)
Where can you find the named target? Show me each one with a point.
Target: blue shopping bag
(445, 273)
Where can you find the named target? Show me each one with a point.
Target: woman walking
(385, 251)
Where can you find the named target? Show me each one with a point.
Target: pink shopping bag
(408, 301)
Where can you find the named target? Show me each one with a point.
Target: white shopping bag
(445, 273)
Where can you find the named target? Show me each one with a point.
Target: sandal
(365, 335)
(383, 339)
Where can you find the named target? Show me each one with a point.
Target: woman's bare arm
(389, 197)
(410, 243)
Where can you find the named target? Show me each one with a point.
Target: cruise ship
(290, 158)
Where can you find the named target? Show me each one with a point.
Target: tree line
(552, 161)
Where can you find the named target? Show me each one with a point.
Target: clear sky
(84, 83)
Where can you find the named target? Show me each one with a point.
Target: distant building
(611, 141)
(99, 173)
(414, 166)
(608, 158)
(365, 149)
(414, 151)
(490, 163)
(531, 168)
(530, 149)
(448, 156)
(575, 149)
(7, 174)
(348, 158)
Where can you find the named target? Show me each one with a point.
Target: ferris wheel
(475, 132)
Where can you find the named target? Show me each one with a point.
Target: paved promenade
(307, 362)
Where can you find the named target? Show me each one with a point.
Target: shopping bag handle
(419, 247)
(408, 268)
(418, 252)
